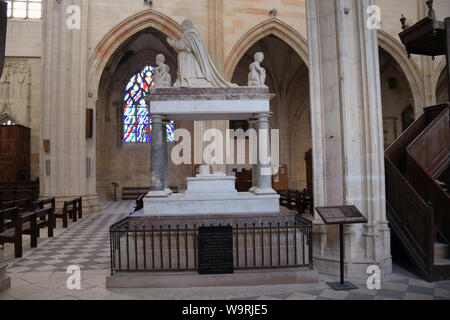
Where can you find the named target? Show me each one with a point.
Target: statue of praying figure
(161, 75)
(195, 67)
(257, 75)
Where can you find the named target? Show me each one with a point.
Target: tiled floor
(41, 273)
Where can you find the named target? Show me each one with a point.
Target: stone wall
(23, 70)
(229, 28)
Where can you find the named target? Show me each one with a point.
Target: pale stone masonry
(347, 133)
(342, 121)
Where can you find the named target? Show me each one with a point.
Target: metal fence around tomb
(174, 248)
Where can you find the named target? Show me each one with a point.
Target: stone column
(447, 51)
(215, 33)
(64, 172)
(264, 167)
(157, 158)
(347, 134)
(253, 149)
(165, 156)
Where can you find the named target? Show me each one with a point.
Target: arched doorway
(109, 53)
(397, 98)
(122, 123)
(288, 79)
(442, 87)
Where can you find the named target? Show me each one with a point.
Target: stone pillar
(165, 156)
(264, 167)
(69, 168)
(253, 149)
(157, 170)
(347, 134)
(447, 51)
(215, 33)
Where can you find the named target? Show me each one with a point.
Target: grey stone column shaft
(157, 155)
(255, 172)
(165, 155)
(264, 167)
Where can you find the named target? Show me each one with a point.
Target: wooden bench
(301, 201)
(129, 193)
(21, 222)
(71, 209)
(15, 194)
(307, 202)
(294, 200)
(283, 197)
(25, 205)
(45, 216)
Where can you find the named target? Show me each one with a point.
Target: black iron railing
(168, 248)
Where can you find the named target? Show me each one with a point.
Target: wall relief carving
(15, 91)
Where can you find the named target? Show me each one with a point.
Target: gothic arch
(440, 68)
(408, 66)
(112, 41)
(269, 27)
(440, 81)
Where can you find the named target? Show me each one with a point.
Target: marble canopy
(237, 103)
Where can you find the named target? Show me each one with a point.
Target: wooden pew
(283, 197)
(14, 194)
(21, 222)
(45, 214)
(25, 205)
(71, 209)
(129, 193)
(307, 202)
(293, 199)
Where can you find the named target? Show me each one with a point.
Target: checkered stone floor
(400, 285)
(85, 244)
(41, 273)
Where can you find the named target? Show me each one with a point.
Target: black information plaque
(215, 250)
(341, 215)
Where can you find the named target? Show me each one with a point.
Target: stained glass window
(137, 126)
(25, 9)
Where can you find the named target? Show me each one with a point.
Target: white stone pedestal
(211, 194)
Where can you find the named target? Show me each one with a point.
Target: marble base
(264, 191)
(211, 183)
(159, 194)
(193, 279)
(211, 194)
(212, 204)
